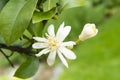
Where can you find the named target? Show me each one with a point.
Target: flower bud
(88, 31)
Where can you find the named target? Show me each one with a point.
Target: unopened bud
(88, 31)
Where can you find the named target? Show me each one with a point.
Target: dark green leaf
(39, 16)
(28, 68)
(15, 17)
(2, 3)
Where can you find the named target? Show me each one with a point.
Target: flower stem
(78, 41)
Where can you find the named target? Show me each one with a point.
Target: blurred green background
(98, 58)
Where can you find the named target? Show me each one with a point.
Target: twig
(10, 54)
(7, 58)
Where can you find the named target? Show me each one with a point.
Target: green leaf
(15, 17)
(28, 68)
(2, 3)
(39, 16)
(36, 29)
(49, 4)
(65, 4)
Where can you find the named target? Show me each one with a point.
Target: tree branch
(19, 49)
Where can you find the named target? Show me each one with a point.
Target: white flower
(88, 31)
(53, 44)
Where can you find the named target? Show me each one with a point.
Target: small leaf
(49, 4)
(28, 68)
(39, 16)
(65, 4)
(15, 17)
(36, 29)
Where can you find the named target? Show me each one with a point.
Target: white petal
(69, 43)
(39, 39)
(44, 51)
(63, 33)
(88, 25)
(67, 53)
(38, 45)
(51, 58)
(51, 30)
(60, 30)
(95, 33)
(62, 59)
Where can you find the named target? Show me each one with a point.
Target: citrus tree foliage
(21, 20)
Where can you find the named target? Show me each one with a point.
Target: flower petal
(62, 59)
(51, 58)
(60, 29)
(69, 43)
(38, 45)
(39, 39)
(51, 30)
(63, 33)
(67, 53)
(44, 51)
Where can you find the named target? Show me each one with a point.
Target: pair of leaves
(65, 4)
(28, 68)
(15, 17)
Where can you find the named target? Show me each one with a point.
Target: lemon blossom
(54, 45)
(88, 31)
